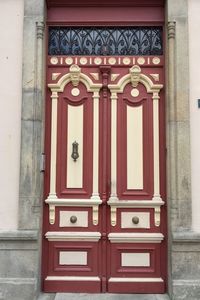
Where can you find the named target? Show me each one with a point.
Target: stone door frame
(181, 239)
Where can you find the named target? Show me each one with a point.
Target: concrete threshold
(72, 296)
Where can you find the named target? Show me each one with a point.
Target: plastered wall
(11, 24)
(194, 86)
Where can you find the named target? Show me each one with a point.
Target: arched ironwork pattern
(105, 41)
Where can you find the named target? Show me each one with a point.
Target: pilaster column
(172, 128)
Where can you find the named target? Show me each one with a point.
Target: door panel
(135, 148)
(74, 177)
(105, 175)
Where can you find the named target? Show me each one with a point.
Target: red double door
(104, 212)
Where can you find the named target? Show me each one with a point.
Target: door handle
(75, 154)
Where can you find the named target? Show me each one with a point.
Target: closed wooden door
(104, 212)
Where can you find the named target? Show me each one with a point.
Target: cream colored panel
(72, 236)
(134, 148)
(54, 115)
(126, 220)
(95, 193)
(75, 133)
(73, 258)
(82, 218)
(130, 279)
(135, 237)
(135, 260)
(113, 147)
(156, 195)
(73, 278)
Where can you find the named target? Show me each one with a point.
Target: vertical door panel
(75, 136)
(135, 145)
(135, 234)
(72, 231)
(75, 125)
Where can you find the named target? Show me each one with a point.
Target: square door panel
(73, 259)
(135, 260)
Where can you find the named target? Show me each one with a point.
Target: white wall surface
(11, 32)
(194, 59)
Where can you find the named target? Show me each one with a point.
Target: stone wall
(194, 63)
(184, 255)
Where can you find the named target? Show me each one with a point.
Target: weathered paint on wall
(194, 86)
(11, 33)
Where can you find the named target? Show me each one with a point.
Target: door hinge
(42, 162)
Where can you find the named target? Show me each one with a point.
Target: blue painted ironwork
(105, 41)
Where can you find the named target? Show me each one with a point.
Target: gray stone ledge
(18, 280)
(186, 236)
(46, 296)
(18, 288)
(186, 289)
(70, 296)
(186, 282)
(14, 246)
(18, 235)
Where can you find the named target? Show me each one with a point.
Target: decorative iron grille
(105, 41)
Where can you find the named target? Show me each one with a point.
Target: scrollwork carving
(40, 29)
(171, 30)
(135, 73)
(75, 72)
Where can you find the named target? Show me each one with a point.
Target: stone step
(72, 296)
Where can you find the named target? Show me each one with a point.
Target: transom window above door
(107, 41)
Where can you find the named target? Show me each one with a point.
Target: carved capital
(75, 72)
(40, 30)
(171, 30)
(156, 95)
(54, 95)
(135, 73)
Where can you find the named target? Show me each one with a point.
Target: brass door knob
(135, 220)
(73, 219)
